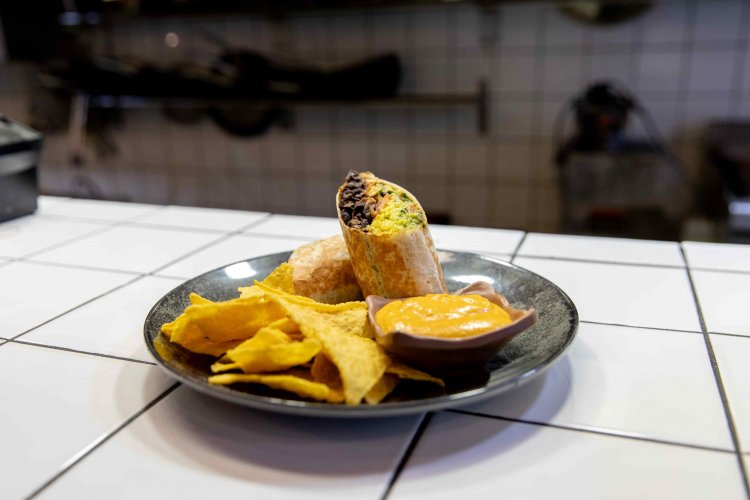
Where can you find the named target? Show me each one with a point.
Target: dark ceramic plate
(527, 356)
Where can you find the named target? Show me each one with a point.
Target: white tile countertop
(650, 401)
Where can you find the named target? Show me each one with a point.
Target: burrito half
(323, 271)
(385, 229)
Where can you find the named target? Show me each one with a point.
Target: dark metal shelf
(479, 99)
(81, 103)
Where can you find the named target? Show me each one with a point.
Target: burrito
(385, 229)
(323, 271)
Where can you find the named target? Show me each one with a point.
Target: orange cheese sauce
(442, 315)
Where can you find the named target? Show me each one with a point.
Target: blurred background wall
(688, 62)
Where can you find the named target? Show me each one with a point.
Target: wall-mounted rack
(478, 99)
(81, 104)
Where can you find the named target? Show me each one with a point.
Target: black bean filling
(357, 209)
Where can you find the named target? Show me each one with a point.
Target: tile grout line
(132, 222)
(194, 251)
(266, 216)
(718, 380)
(682, 92)
(518, 247)
(78, 351)
(33, 256)
(75, 218)
(199, 230)
(105, 227)
(243, 232)
(638, 264)
(60, 244)
(528, 49)
(124, 358)
(735, 335)
(623, 325)
(597, 432)
(541, 53)
(598, 261)
(76, 459)
(92, 299)
(426, 418)
(738, 64)
(661, 329)
(78, 266)
(33, 260)
(223, 237)
(725, 271)
(137, 277)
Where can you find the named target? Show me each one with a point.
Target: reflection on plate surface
(527, 356)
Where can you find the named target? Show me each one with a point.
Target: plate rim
(392, 409)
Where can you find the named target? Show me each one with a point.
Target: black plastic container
(19, 153)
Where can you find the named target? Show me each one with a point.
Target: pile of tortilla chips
(272, 337)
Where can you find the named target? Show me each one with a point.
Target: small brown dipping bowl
(451, 355)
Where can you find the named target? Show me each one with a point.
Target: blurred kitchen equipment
(606, 12)
(614, 185)
(728, 154)
(243, 91)
(19, 153)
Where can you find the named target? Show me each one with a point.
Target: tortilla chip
(280, 280)
(325, 372)
(168, 328)
(197, 343)
(319, 306)
(221, 322)
(266, 336)
(197, 299)
(250, 292)
(324, 352)
(270, 350)
(286, 325)
(381, 389)
(347, 317)
(297, 385)
(360, 361)
(407, 372)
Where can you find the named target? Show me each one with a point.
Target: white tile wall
(684, 59)
(561, 30)
(514, 72)
(719, 20)
(613, 66)
(666, 22)
(712, 70)
(659, 71)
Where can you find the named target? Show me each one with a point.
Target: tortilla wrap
(394, 262)
(322, 270)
